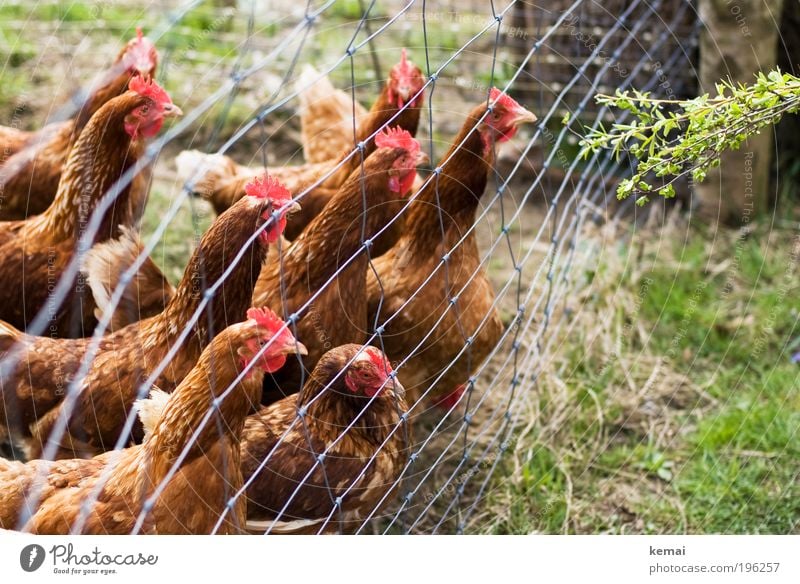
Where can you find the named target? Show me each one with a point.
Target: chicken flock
(198, 409)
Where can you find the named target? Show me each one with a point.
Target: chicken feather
(194, 491)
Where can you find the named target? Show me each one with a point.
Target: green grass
(349, 10)
(204, 37)
(72, 12)
(711, 445)
(685, 428)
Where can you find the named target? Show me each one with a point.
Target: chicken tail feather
(150, 409)
(311, 89)
(147, 293)
(9, 332)
(202, 172)
(280, 527)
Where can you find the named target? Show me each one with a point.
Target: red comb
(140, 53)
(265, 317)
(267, 187)
(397, 138)
(149, 88)
(404, 67)
(377, 358)
(405, 81)
(498, 97)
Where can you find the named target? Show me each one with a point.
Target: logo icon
(31, 557)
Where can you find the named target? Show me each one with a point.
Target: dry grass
(643, 402)
(613, 436)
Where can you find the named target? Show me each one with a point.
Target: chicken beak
(172, 111)
(422, 158)
(291, 207)
(523, 116)
(405, 92)
(395, 385)
(295, 347)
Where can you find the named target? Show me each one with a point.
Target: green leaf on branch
(678, 138)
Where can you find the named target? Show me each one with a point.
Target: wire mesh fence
(425, 464)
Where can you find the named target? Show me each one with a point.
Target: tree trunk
(740, 38)
(788, 130)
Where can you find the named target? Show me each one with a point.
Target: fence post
(788, 130)
(739, 38)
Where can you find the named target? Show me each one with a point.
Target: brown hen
(35, 252)
(326, 117)
(174, 483)
(221, 180)
(458, 293)
(31, 163)
(333, 242)
(33, 389)
(327, 458)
